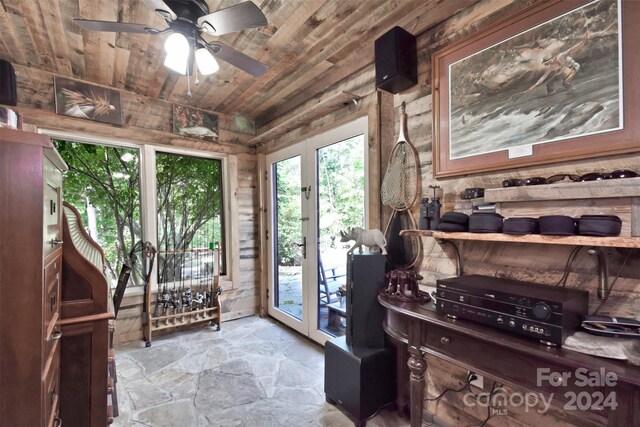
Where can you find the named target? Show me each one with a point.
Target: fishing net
(402, 251)
(399, 190)
(399, 186)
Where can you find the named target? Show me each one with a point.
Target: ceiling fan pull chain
(189, 94)
(195, 63)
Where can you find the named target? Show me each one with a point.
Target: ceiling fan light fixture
(177, 48)
(207, 64)
(177, 63)
(176, 44)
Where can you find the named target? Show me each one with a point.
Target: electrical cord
(470, 377)
(567, 266)
(493, 389)
(613, 282)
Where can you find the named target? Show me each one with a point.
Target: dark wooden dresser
(30, 274)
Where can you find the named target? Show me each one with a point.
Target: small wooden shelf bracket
(456, 252)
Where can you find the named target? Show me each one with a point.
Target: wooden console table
(477, 347)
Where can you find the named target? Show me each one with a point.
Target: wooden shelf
(608, 188)
(618, 242)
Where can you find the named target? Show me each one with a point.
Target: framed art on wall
(188, 121)
(553, 83)
(82, 100)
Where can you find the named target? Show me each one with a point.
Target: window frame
(148, 210)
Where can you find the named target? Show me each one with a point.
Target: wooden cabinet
(84, 319)
(509, 359)
(30, 277)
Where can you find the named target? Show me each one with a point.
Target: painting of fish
(85, 101)
(194, 123)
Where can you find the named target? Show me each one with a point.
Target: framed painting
(557, 82)
(194, 123)
(85, 101)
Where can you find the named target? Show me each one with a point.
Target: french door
(316, 189)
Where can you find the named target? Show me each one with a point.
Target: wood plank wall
(544, 264)
(538, 263)
(148, 121)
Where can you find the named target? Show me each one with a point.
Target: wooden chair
(328, 283)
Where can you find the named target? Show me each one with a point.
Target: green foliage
(341, 189)
(288, 211)
(189, 201)
(99, 177)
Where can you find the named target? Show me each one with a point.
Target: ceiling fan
(188, 21)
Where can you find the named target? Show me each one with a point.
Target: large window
(104, 184)
(190, 220)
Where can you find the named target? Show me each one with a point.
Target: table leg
(402, 398)
(418, 367)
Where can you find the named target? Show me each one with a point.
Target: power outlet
(478, 381)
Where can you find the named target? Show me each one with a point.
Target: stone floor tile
(252, 373)
(226, 390)
(172, 414)
(179, 383)
(144, 393)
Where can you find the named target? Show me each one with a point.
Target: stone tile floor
(254, 372)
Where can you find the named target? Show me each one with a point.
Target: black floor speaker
(8, 88)
(396, 60)
(359, 381)
(365, 277)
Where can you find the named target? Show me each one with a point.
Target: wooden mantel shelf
(618, 242)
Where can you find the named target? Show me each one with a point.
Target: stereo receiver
(534, 310)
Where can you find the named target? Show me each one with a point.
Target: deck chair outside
(328, 283)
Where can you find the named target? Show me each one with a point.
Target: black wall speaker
(8, 89)
(396, 61)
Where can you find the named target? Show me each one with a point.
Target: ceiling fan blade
(235, 18)
(115, 27)
(161, 8)
(237, 59)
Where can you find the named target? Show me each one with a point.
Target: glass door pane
(317, 189)
(288, 237)
(340, 205)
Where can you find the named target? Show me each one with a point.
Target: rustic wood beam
(311, 110)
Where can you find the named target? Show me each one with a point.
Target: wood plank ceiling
(309, 45)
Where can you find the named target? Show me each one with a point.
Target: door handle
(306, 191)
(303, 245)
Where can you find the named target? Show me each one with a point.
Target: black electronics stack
(360, 367)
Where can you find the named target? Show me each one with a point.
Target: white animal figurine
(369, 238)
